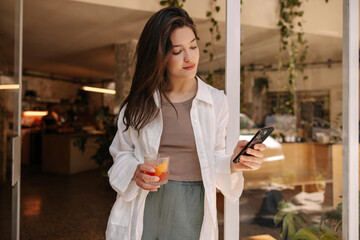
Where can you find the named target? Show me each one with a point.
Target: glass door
(10, 115)
(299, 189)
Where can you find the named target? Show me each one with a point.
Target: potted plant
(298, 225)
(107, 122)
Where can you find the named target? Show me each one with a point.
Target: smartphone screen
(259, 137)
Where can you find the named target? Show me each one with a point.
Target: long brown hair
(151, 56)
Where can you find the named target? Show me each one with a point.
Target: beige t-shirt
(177, 140)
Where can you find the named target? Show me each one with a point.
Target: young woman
(171, 110)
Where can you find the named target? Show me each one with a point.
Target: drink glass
(161, 164)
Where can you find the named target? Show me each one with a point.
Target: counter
(337, 163)
(60, 155)
(306, 165)
(30, 146)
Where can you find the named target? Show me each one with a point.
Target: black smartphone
(259, 137)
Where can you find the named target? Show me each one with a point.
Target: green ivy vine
(293, 42)
(215, 36)
(173, 3)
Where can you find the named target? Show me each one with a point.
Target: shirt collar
(202, 94)
(157, 98)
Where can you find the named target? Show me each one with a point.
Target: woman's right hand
(141, 177)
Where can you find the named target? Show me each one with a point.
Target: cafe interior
(77, 63)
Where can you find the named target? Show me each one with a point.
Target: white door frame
(350, 175)
(16, 141)
(232, 86)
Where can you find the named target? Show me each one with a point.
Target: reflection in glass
(31, 206)
(305, 108)
(9, 112)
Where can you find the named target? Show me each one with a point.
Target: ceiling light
(98, 90)
(35, 113)
(9, 86)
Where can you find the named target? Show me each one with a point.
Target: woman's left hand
(248, 163)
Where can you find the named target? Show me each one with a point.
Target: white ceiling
(76, 39)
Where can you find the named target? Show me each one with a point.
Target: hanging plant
(293, 42)
(173, 3)
(260, 83)
(215, 36)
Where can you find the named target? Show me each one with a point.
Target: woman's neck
(181, 90)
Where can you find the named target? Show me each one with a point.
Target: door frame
(16, 141)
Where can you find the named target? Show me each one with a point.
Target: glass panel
(9, 90)
(301, 172)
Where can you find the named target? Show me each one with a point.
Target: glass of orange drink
(161, 164)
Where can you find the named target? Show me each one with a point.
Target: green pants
(174, 212)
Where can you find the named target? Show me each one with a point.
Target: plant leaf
(300, 13)
(279, 217)
(289, 225)
(300, 220)
(306, 234)
(328, 230)
(292, 229)
(329, 236)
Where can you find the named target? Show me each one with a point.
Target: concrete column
(124, 70)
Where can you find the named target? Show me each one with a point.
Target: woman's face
(184, 57)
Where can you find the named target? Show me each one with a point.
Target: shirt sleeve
(125, 163)
(231, 185)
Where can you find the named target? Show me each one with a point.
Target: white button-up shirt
(209, 117)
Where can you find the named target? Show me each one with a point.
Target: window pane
(302, 100)
(9, 89)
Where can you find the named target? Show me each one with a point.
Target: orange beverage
(161, 164)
